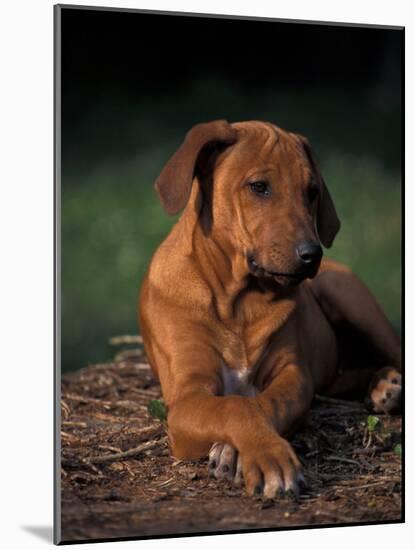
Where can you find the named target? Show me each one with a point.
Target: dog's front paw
(225, 463)
(385, 391)
(272, 469)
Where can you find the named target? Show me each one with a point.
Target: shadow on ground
(43, 532)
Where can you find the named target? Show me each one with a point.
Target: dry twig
(127, 454)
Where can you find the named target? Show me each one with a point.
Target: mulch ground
(119, 480)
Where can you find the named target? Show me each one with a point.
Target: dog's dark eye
(312, 193)
(260, 188)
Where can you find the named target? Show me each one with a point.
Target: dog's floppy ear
(328, 223)
(175, 181)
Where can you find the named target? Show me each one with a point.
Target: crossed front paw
(271, 469)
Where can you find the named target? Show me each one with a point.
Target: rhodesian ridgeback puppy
(241, 319)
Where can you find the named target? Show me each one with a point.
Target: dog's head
(260, 188)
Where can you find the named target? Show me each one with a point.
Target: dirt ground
(119, 480)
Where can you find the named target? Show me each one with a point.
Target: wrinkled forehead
(264, 146)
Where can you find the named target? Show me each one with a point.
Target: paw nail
(225, 468)
(212, 464)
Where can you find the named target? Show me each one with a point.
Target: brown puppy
(241, 321)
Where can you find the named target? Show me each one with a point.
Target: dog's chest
(237, 381)
(246, 345)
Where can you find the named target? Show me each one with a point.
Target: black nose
(309, 253)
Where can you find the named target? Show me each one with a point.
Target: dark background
(134, 83)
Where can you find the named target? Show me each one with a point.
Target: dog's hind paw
(385, 391)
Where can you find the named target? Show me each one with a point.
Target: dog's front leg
(252, 425)
(285, 402)
(287, 398)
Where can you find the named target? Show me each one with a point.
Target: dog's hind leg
(351, 307)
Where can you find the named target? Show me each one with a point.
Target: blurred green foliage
(157, 409)
(373, 423)
(112, 221)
